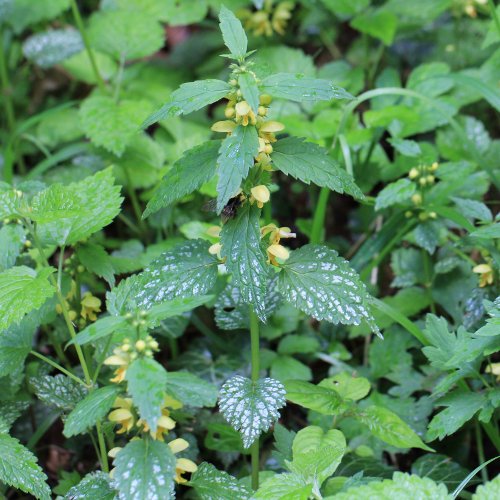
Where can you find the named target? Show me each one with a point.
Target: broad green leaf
(245, 258)
(79, 67)
(96, 260)
(188, 173)
(320, 283)
(250, 90)
(439, 468)
(298, 344)
(19, 468)
(95, 486)
(58, 390)
(285, 368)
(377, 23)
(406, 147)
(401, 486)
(211, 483)
(284, 487)
(316, 454)
(174, 307)
(283, 441)
(190, 97)
(22, 290)
(348, 387)
(103, 327)
(10, 201)
(300, 88)
(236, 157)
(15, 344)
(23, 13)
(427, 235)
(109, 124)
(71, 213)
(51, 47)
(395, 192)
(251, 407)
(144, 469)
(12, 238)
(90, 410)
(311, 163)
(233, 33)
(125, 34)
(487, 491)
(487, 231)
(314, 397)
(147, 381)
(473, 209)
(387, 426)
(191, 390)
(184, 13)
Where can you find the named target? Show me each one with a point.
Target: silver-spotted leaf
(95, 486)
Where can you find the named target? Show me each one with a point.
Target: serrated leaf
(58, 390)
(427, 235)
(53, 46)
(395, 192)
(236, 157)
(90, 410)
(147, 381)
(251, 407)
(439, 468)
(99, 329)
(233, 33)
(473, 209)
(314, 397)
(188, 173)
(190, 97)
(300, 88)
(379, 23)
(96, 260)
(284, 487)
(95, 486)
(125, 35)
(348, 387)
(487, 231)
(66, 214)
(174, 307)
(19, 468)
(22, 290)
(311, 163)
(12, 238)
(23, 13)
(10, 411)
(245, 258)
(319, 282)
(109, 124)
(250, 90)
(406, 147)
(487, 491)
(144, 469)
(191, 390)
(213, 484)
(15, 345)
(10, 201)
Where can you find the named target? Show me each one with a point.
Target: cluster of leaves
(276, 370)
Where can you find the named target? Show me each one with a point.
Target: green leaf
(395, 192)
(95, 486)
(22, 290)
(23, 13)
(298, 344)
(250, 90)
(348, 387)
(284, 487)
(10, 201)
(377, 23)
(190, 97)
(184, 13)
(316, 454)
(320, 283)
(60, 391)
(66, 214)
(197, 166)
(236, 157)
(233, 33)
(406, 147)
(144, 469)
(109, 124)
(90, 410)
(49, 48)
(211, 483)
(427, 235)
(191, 390)
(387, 426)
(103, 327)
(12, 238)
(300, 88)
(245, 258)
(125, 34)
(439, 468)
(251, 407)
(314, 397)
(19, 468)
(174, 307)
(311, 163)
(15, 345)
(487, 491)
(487, 232)
(96, 260)
(147, 381)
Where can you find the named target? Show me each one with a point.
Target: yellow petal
(243, 108)
(172, 402)
(123, 403)
(186, 465)
(215, 249)
(178, 445)
(120, 415)
(166, 422)
(115, 360)
(261, 193)
(214, 231)
(279, 251)
(224, 126)
(268, 229)
(482, 269)
(272, 126)
(114, 451)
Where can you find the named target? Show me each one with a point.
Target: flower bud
(265, 99)
(414, 173)
(416, 198)
(261, 193)
(140, 345)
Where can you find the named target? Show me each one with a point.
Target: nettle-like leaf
(144, 469)
(439, 468)
(66, 214)
(51, 47)
(300, 88)
(22, 290)
(284, 486)
(251, 407)
(95, 486)
(103, 327)
(188, 173)
(311, 163)
(96, 260)
(250, 90)
(12, 238)
(10, 201)
(185, 271)
(190, 97)
(15, 344)
(427, 235)
(147, 380)
(324, 400)
(319, 282)
(90, 410)
(19, 468)
(211, 484)
(233, 33)
(245, 258)
(191, 390)
(58, 390)
(487, 491)
(23, 13)
(10, 411)
(236, 157)
(395, 192)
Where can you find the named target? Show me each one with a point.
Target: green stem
(480, 450)
(135, 204)
(88, 48)
(6, 88)
(102, 447)
(57, 366)
(317, 234)
(254, 342)
(428, 280)
(493, 12)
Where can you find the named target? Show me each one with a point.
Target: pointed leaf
(284, 487)
(15, 344)
(395, 192)
(314, 397)
(96, 260)
(99, 329)
(191, 390)
(59, 390)
(250, 90)
(12, 238)
(95, 486)
(233, 33)
(213, 484)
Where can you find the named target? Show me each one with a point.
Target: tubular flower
(226, 126)
(90, 306)
(123, 415)
(165, 422)
(244, 114)
(277, 251)
(183, 464)
(121, 358)
(260, 194)
(281, 15)
(215, 249)
(276, 233)
(485, 272)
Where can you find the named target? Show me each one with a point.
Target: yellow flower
(276, 233)
(271, 126)
(244, 114)
(215, 249)
(493, 368)
(123, 414)
(182, 464)
(281, 16)
(277, 251)
(214, 231)
(90, 305)
(486, 274)
(226, 126)
(121, 359)
(261, 194)
(165, 422)
(414, 173)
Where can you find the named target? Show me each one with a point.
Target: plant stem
(6, 88)
(88, 48)
(136, 206)
(494, 16)
(254, 342)
(317, 234)
(480, 450)
(57, 366)
(428, 280)
(102, 447)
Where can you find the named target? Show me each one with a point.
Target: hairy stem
(254, 341)
(57, 366)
